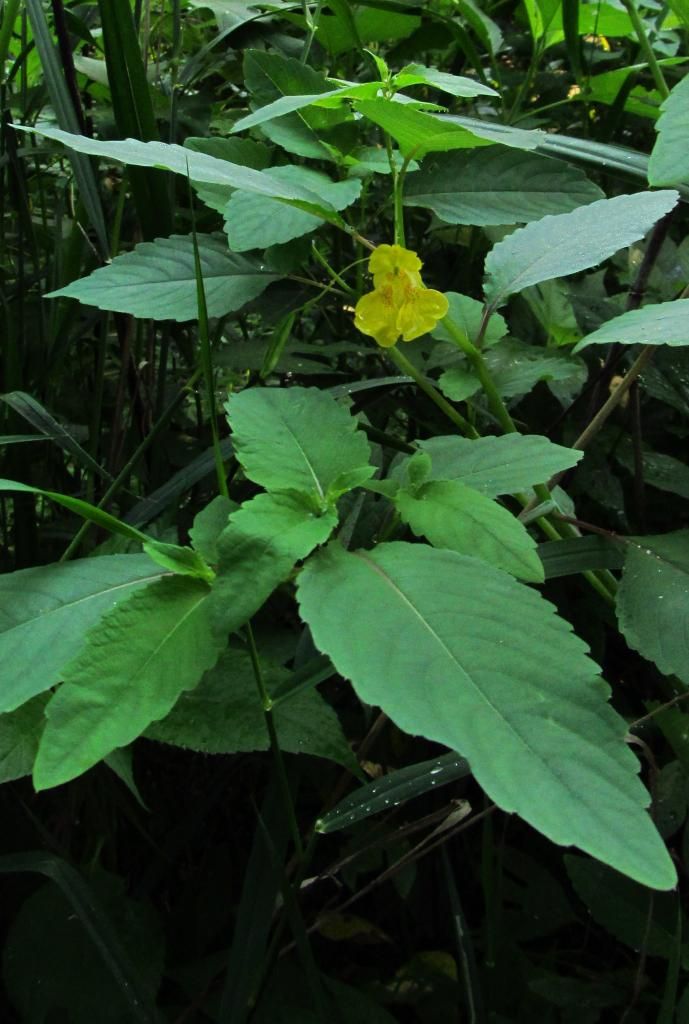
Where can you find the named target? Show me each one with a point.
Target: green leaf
(669, 162)
(415, 132)
(653, 600)
(665, 323)
(45, 613)
(270, 76)
(20, 733)
(200, 167)
(394, 789)
(631, 913)
(451, 515)
(569, 242)
(209, 523)
(157, 280)
(223, 715)
(577, 554)
(171, 556)
(134, 665)
(466, 315)
(455, 85)
(659, 470)
(254, 222)
(297, 438)
(461, 653)
(56, 956)
(266, 537)
(237, 151)
(497, 186)
(517, 367)
(35, 414)
(498, 465)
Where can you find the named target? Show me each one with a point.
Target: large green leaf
(415, 132)
(665, 323)
(223, 715)
(497, 186)
(498, 465)
(45, 613)
(461, 653)
(669, 162)
(157, 279)
(418, 133)
(653, 600)
(200, 167)
(134, 665)
(569, 242)
(245, 152)
(257, 551)
(451, 515)
(298, 438)
(254, 222)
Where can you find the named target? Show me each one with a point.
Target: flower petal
(390, 259)
(375, 315)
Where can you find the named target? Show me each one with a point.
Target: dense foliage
(344, 607)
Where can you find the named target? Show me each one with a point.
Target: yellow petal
(390, 259)
(421, 314)
(375, 314)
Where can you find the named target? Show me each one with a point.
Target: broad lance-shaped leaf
(653, 600)
(157, 280)
(459, 652)
(665, 323)
(564, 244)
(498, 465)
(451, 515)
(197, 166)
(46, 612)
(254, 222)
(418, 133)
(669, 162)
(298, 439)
(265, 538)
(134, 665)
(223, 715)
(497, 186)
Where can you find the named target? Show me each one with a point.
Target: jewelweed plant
(303, 536)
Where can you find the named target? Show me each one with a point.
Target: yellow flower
(400, 305)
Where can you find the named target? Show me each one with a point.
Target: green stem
(312, 23)
(604, 585)
(124, 473)
(397, 183)
(654, 66)
(9, 16)
(329, 270)
(498, 407)
(425, 385)
(267, 707)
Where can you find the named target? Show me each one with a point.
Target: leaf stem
(428, 389)
(267, 707)
(498, 407)
(644, 43)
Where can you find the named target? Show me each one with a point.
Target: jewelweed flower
(400, 304)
